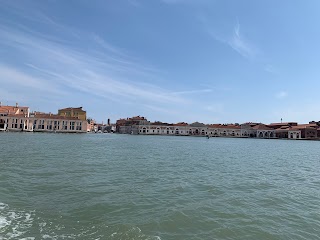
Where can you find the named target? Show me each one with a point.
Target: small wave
(29, 225)
(3, 222)
(125, 232)
(3, 206)
(13, 224)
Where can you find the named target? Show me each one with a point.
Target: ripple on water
(139, 187)
(29, 225)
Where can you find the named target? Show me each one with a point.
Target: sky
(212, 61)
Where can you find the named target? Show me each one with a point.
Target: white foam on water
(14, 224)
(15, 233)
(46, 236)
(28, 217)
(4, 222)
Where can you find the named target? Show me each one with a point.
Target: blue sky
(213, 61)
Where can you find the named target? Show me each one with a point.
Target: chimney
(17, 105)
(0, 104)
(109, 121)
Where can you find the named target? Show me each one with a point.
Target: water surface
(109, 186)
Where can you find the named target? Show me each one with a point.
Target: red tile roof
(228, 126)
(262, 127)
(282, 124)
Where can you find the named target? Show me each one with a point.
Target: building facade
(290, 130)
(73, 112)
(22, 120)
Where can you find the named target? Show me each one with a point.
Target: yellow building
(73, 112)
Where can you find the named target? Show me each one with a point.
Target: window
(71, 125)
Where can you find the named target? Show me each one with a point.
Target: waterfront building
(307, 131)
(73, 112)
(90, 125)
(13, 110)
(247, 129)
(282, 125)
(130, 125)
(291, 130)
(294, 134)
(224, 130)
(15, 118)
(19, 114)
(263, 131)
(56, 123)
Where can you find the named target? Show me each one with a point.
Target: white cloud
(236, 41)
(282, 94)
(20, 79)
(104, 71)
(192, 92)
(241, 45)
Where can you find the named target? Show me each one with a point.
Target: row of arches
(265, 134)
(188, 131)
(207, 132)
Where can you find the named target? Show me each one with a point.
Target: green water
(108, 186)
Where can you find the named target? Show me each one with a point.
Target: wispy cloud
(103, 71)
(235, 40)
(241, 45)
(282, 94)
(192, 92)
(16, 77)
(78, 66)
